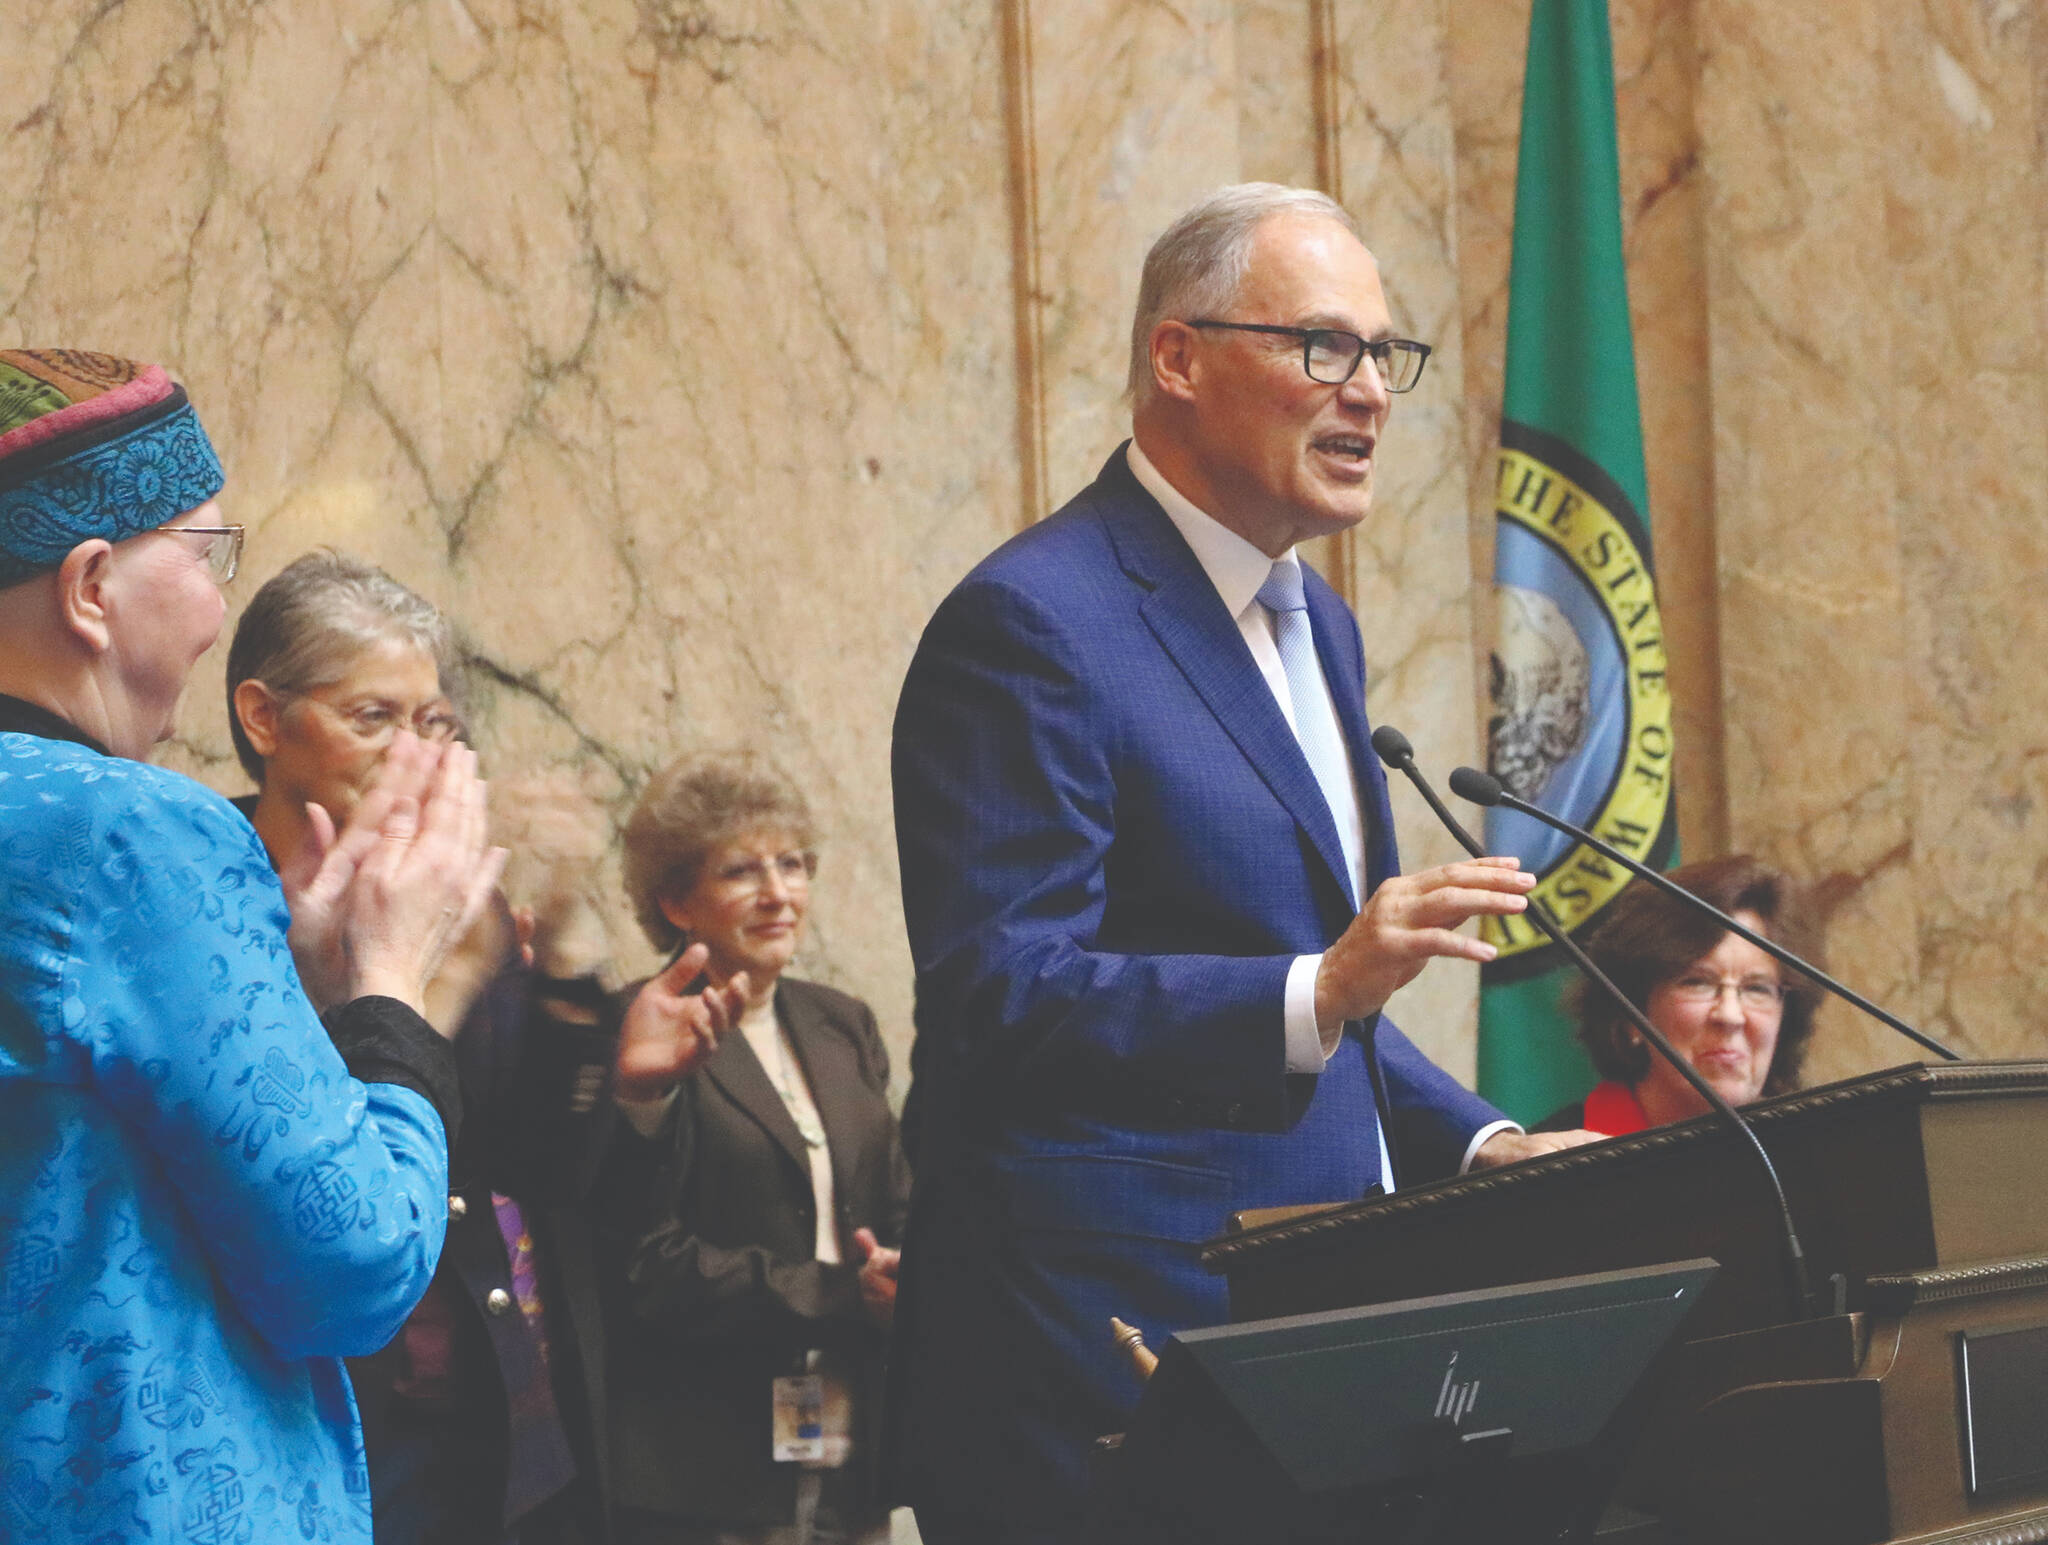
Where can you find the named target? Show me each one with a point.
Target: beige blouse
(772, 1049)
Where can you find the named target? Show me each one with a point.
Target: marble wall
(1880, 407)
(688, 350)
(662, 344)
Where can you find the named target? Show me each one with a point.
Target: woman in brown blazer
(764, 1280)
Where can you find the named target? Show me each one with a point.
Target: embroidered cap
(92, 446)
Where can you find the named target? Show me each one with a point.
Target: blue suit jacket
(1112, 850)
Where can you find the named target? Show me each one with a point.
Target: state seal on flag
(1581, 721)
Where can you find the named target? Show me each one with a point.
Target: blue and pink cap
(92, 446)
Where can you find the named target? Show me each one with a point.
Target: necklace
(784, 1077)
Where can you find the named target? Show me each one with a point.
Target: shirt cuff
(384, 1041)
(1479, 1140)
(1304, 1038)
(646, 1116)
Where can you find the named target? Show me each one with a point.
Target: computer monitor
(1498, 1414)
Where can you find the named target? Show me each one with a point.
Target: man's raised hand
(1410, 920)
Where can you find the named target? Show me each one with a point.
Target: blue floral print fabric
(133, 483)
(201, 1212)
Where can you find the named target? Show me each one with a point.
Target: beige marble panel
(729, 412)
(1135, 115)
(1281, 126)
(1817, 660)
(234, 191)
(1969, 389)
(659, 343)
(1656, 71)
(1883, 256)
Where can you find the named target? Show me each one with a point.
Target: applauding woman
(763, 1285)
(206, 1197)
(477, 1417)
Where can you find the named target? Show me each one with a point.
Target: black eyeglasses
(1331, 356)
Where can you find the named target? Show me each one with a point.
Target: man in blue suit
(1137, 815)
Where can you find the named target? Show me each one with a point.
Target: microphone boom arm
(1777, 952)
(1393, 749)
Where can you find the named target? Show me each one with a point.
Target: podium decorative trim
(1896, 1294)
(1911, 1084)
(2027, 1529)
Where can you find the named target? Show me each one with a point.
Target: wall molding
(1326, 82)
(1029, 298)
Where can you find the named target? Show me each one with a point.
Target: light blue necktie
(1315, 724)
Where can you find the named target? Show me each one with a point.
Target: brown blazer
(723, 1288)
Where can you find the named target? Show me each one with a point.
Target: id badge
(799, 1430)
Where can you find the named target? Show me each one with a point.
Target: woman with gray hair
(765, 1280)
(476, 1416)
(331, 658)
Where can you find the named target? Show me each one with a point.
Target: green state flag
(1581, 721)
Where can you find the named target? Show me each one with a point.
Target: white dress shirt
(1237, 569)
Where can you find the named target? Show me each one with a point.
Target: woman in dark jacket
(745, 1396)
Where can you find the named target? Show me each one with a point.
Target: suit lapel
(740, 1077)
(1188, 617)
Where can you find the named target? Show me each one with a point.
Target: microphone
(1393, 748)
(1469, 783)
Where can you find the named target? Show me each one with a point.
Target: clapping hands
(375, 906)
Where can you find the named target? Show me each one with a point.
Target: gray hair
(1194, 269)
(311, 619)
(688, 808)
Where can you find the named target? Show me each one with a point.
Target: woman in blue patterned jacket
(207, 1197)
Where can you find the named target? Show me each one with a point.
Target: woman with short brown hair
(1728, 1007)
(766, 1272)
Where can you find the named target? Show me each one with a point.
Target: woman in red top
(1727, 1007)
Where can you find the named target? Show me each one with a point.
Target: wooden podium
(1916, 1411)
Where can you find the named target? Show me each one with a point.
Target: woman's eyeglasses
(749, 877)
(376, 722)
(1757, 993)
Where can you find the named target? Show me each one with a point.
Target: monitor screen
(1358, 1397)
